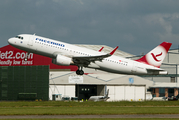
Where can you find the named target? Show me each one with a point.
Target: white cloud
(165, 21)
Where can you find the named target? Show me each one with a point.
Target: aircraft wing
(88, 59)
(91, 58)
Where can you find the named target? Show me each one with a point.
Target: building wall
(25, 80)
(116, 92)
(157, 92)
(172, 56)
(126, 93)
(166, 92)
(175, 91)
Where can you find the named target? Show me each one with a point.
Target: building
(24, 82)
(167, 85)
(121, 87)
(64, 81)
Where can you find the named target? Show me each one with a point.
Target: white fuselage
(51, 48)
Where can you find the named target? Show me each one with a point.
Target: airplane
(67, 54)
(99, 98)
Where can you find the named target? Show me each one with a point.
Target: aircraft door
(30, 41)
(134, 67)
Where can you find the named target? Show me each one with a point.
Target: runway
(90, 116)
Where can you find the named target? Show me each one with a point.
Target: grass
(88, 108)
(84, 104)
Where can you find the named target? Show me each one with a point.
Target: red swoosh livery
(155, 56)
(163, 48)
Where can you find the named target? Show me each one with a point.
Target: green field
(88, 103)
(88, 108)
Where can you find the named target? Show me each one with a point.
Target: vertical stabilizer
(156, 56)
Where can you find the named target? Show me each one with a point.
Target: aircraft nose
(10, 41)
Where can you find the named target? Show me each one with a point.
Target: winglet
(114, 51)
(101, 49)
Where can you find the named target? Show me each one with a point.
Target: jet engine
(62, 60)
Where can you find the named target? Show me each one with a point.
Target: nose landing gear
(26, 57)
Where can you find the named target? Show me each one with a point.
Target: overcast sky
(136, 26)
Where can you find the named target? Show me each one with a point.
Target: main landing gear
(79, 71)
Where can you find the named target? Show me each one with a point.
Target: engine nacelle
(62, 60)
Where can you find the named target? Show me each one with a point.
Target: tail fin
(156, 56)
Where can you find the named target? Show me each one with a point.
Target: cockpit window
(19, 37)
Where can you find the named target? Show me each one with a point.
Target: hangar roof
(70, 78)
(106, 49)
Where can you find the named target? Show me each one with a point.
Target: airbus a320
(67, 54)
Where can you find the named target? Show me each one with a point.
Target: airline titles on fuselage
(49, 42)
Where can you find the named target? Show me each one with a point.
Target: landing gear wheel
(79, 72)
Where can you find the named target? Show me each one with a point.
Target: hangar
(121, 87)
(63, 81)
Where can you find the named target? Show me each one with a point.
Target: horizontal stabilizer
(156, 71)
